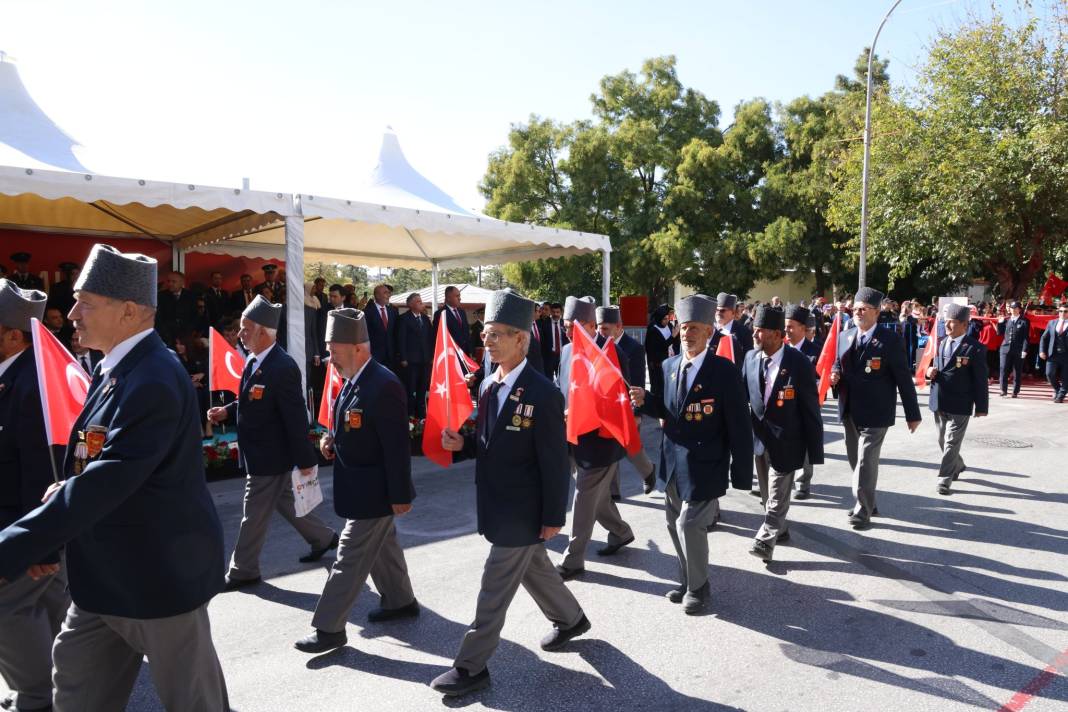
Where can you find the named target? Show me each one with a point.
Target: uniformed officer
(1013, 349)
(870, 367)
(143, 540)
(596, 459)
(522, 480)
(31, 607)
(372, 483)
(798, 319)
(958, 388)
(707, 444)
(632, 364)
(21, 276)
(1053, 349)
(272, 432)
(787, 425)
(727, 324)
(61, 294)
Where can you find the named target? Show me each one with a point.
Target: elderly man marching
(597, 460)
(522, 480)
(144, 545)
(797, 321)
(372, 483)
(958, 388)
(707, 444)
(870, 371)
(31, 607)
(787, 425)
(272, 431)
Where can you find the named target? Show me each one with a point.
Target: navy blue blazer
(272, 429)
(1015, 335)
(373, 456)
(383, 337)
(592, 450)
(866, 391)
(630, 351)
(143, 538)
(458, 328)
(1054, 345)
(790, 426)
(522, 475)
(810, 349)
(743, 342)
(960, 386)
(415, 338)
(704, 454)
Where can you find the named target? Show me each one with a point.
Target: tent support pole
(606, 276)
(295, 295)
(433, 285)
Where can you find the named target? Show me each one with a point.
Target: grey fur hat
(958, 312)
(582, 309)
(696, 307)
(609, 315)
(798, 313)
(726, 301)
(509, 307)
(129, 276)
(346, 326)
(769, 317)
(869, 296)
(18, 306)
(262, 312)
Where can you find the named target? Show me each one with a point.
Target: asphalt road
(946, 603)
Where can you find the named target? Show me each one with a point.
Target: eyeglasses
(492, 337)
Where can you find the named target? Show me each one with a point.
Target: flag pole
(448, 380)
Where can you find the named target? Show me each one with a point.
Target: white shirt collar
(117, 354)
(728, 327)
(799, 344)
(866, 335)
(507, 382)
(6, 363)
(263, 354)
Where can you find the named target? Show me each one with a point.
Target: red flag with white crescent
(927, 358)
(582, 416)
(448, 402)
(225, 364)
(827, 357)
(62, 381)
(331, 387)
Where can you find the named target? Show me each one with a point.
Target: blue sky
(295, 95)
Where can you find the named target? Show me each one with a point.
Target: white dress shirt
(117, 354)
(695, 366)
(507, 382)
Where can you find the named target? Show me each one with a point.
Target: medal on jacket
(353, 419)
(708, 406)
(81, 451)
(876, 363)
(787, 393)
(256, 392)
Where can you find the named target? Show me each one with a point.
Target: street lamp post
(867, 156)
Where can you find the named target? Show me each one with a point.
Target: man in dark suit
(1013, 350)
(415, 350)
(632, 365)
(86, 358)
(727, 324)
(522, 478)
(55, 322)
(707, 445)
(368, 445)
(271, 281)
(143, 541)
(272, 434)
(797, 320)
(958, 388)
(455, 320)
(870, 371)
(596, 459)
(382, 327)
(787, 425)
(217, 300)
(243, 296)
(61, 294)
(177, 309)
(21, 275)
(553, 340)
(31, 607)
(1053, 349)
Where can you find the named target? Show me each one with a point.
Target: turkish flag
(598, 396)
(225, 364)
(331, 387)
(927, 357)
(1054, 287)
(725, 347)
(448, 404)
(827, 357)
(617, 416)
(62, 381)
(582, 414)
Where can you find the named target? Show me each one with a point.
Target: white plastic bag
(306, 490)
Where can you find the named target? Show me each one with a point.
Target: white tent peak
(395, 182)
(28, 137)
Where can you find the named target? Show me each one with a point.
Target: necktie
(247, 375)
(680, 397)
(556, 337)
(1060, 327)
(765, 363)
(385, 319)
(489, 405)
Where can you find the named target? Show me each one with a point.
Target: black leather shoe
(715, 521)
(457, 682)
(943, 489)
(320, 641)
(317, 554)
(802, 494)
(566, 573)
(755, 493)
(617, 498)
(1015, 395)
(695, 601)
(761, 550)
(676, 595)
(858, 522)
(610, 549)
(558, 637)
(783, 538)
(1003, 395)
(381, 615)
(649, 483)
(233, 584)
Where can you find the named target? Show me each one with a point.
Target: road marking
(1039, 683)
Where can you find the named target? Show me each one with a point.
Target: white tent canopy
(469, 294)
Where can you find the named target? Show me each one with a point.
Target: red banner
(225, 364)
(448, 403)
(63, 384)
(331, 387)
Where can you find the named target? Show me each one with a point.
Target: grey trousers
(951, 429)
(506, 568)
(97, 659)
(264, 495)
(31, 613)
(688, 524)
(368, 547)
(641, 463)
(804, 480)
(593, 504)
(863, 446)
(775, 490)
